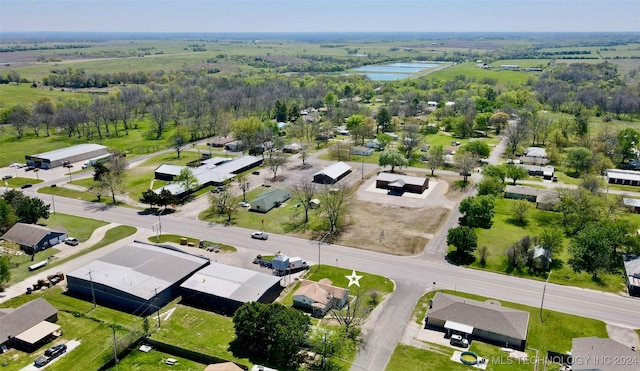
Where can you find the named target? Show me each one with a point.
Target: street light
(319, 243)
(544, 289)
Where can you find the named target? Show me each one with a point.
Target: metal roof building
(331, 174)
(139, 277)
(267, 200)
(224, 288)
(402, 183)
(29, 325)
(624, 177)
(59, 157)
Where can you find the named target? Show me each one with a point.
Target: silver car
(259, 235)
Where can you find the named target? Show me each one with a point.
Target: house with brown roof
(632, 274)
(319, 297)
(602, 354)
(28, 326)
(33, 238)
(400, 183)
(544, 199)
(488, 321)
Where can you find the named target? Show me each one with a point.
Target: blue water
(393, 71)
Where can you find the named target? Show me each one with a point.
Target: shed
(59, 157)
(224, 288)
(332, 173)
(319, 297)
(33, 238)
(269, 199)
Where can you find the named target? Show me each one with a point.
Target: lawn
(505, 233)
(155, 360)
(555, 334)
(174, 238)
(91, 327)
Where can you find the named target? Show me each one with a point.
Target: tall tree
(465, 162)
(515, 172)
(180, 139)
(592, 249)
(383, 119)
(478, 211)
(411, 138)
(477, 147)
(303, 192)
(334, 204)
(393, 158)
(515, 135)
(436, 157)
(224, 203)
(499, 121)
(464, 239)
(187, 180)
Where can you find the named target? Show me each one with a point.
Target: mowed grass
(154, 360)
(174, 238)
(469, 70)
(504, 233)
(91, 327)
(555, 334)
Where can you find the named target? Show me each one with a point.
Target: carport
(37, 333)
(458, 328)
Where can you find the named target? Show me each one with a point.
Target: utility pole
(115, 344)
(53, 203)
(319, 243)
(362, 169)
(157, 307)
(93, 293)
(544, 289)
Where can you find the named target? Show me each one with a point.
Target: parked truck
(100, 159)
(284, 264)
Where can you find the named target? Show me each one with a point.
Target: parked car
(7, 177)
(28, 185)
(72, 241)
(244, 204)
(259, 235)
(41, 361)
(55, 350)
(459, 341)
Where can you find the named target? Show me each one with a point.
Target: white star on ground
(353, 279)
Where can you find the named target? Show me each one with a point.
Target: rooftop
(334, 171)
(69, 151)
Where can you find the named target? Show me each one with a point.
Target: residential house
(535, 152)
(544, 199)
(602, 354)
(400, 183)
(292, 148)
(269, 199)
(632, 274)
(624, 177)
(28, 326)
(219, 141)
(546, 171)
(632, 203)
(361, 151)
(373, 143)
(332, 174)
(33, 238)
(488, 321)
(320, 297)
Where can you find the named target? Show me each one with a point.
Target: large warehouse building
(59, 157)
(139, 277)
(224, 288)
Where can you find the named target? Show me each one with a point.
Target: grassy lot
(174, 238)
(504, 233)
(91, 327)
(469, 70)
(154, 360)
(369, 282)
(13, 94)
(83, 195)
(18, 182)
(198, 330)
(556, 334)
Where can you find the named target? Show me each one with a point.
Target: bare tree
(223, 203)
(411, 139)
(465, 162)
(353, 314)
(19, 118)
(334, 204)
(436, 157)
(515, 136)
(303, 193)
(539, 128)
(275, 163)
(113, 180)
(243, 185)
(179, 140)
(43, 113)
(160, 111)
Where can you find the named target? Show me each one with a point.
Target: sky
(217, 16)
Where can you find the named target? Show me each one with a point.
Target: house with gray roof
(361, 151)
(402, 183)
(632, 273)
(224, 288)
(139, 277)
(28, 326)
(544, 199)
(488, 321)
(267, 200)
(33, 238)
(59, 157)
(332, 174)
(602, 354)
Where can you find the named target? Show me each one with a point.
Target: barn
(267, 200)
(138, 278)
(624, 177)
(332, 174)
(224, 288)
(59, 157)
(402, 183)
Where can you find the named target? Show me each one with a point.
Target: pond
(393, 71)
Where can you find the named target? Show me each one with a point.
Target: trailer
(283, 264)
(100, 159)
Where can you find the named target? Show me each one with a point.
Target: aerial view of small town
(259, 196)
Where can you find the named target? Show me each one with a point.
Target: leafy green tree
(436, 157)
(477, 147)
(551, 238)
(180, 139)
(579, 207)
(7, 216)
(30, 210)
(592, 248)
(281, 111)
(166, 198)
(628, 143)
(99, 169)
(463, 238)
(271, 331)
(520, 210)
(465, 162)
(149, 197)
(499, 121)
(490, 186)
(247, 130)
(5, 272)
(224, 203)
(187, 180)
(393, 158)
(383, 140)
(515, 172)
(579, 158)
(495, 171)
(478, 211)
(384, 119)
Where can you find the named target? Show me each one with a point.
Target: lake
(393, 71)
